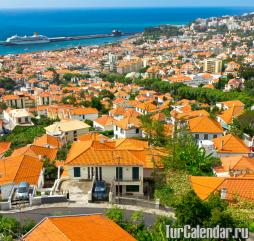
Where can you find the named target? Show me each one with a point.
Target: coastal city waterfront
(146, 135)
(76, 22)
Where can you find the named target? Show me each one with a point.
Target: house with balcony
(122, 163)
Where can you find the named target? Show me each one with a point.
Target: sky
(119, 3)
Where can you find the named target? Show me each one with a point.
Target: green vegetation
(181, 91)
(11, 229)
(163, 30)
(63, 152)
(23, 135)
(244, 124)
(154, 131)
(7, 83)
(50, 169)
(136, 227)
(185, 155)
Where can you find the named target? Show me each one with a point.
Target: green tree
(184, 154)
(244, 124)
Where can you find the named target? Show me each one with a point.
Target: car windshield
(99, 189)
(22, 190)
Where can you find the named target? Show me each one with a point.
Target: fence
(141, 202)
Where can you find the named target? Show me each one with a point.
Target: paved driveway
(77, 189)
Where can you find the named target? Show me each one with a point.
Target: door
(119, 173)
(135, 173)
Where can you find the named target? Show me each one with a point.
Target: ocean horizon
(74, 22)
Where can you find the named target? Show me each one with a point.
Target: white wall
(104, 128)
(202, 135)
(121, 133)
(91, 117)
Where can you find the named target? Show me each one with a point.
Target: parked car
(23, 191)
(99, 190)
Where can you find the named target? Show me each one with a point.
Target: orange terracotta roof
(48, 140)
(149, 107)
(232, 103)
(158, 117)
(93, 137)
(204, 124)
(191, 114)
(228, 115)
(4, 147)
(237, 163)
(243, 187)
(22, 168)
(128, 122)
(231, 144)
(131, 152)
(77, 228)
(84, 111)
(105, 120)
(117, 111)
(205, 186)
(36, 151)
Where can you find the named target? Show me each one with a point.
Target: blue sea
(73, 22)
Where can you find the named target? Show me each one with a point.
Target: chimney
(222, 144)
(223, 193)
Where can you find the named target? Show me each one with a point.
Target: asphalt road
(38, 214)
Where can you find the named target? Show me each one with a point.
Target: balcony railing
(127, 179)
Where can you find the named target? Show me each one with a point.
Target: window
(132, 188)
(121, 130)
(100, 172)
(116, 128)
(75, 133)
(76, 172)
(92, 172)
(137, 131)
(96, 173)
(206, 136)
(135, 173)
(119, 173)
(88, 173)
(215, 136)
(196, 136)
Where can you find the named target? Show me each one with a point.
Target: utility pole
(117, 157)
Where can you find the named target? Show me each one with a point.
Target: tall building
(213, 66)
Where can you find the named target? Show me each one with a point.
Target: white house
(205, 128)
(104, 123)
(17, 117)
(70, 130)
(127, 128)
(84, 114)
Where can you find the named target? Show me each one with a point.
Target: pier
(71, 38)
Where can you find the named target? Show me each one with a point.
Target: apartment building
(213, 66)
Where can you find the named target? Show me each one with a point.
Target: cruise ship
(35, 39)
